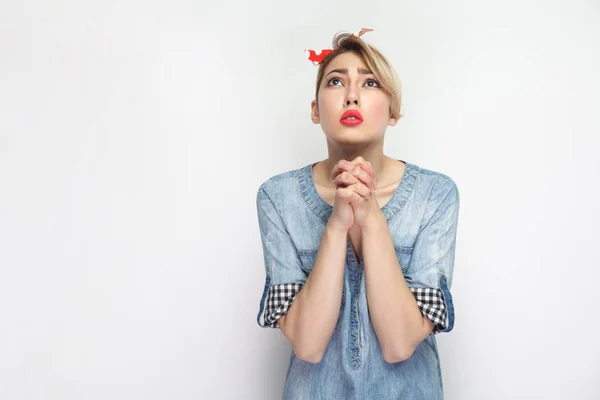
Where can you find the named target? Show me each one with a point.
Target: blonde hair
(375, 60)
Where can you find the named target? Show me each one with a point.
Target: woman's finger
(345, 179)
(366, 166)
(363, 176)
(340, 167)
(369, 169)
(345, 194)
(361, 189)
(353, 169)
(356, 200)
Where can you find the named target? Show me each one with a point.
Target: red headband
(318, 58)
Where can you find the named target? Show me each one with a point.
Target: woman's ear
(314, 113)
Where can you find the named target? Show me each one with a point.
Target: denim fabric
(422, 216)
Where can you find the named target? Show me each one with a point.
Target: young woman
(359, 248)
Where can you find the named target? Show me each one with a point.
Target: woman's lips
(351, 121)
(351, 117)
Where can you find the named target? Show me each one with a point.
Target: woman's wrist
(336, 229)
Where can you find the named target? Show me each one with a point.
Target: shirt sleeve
(432, 262)
(284, 276)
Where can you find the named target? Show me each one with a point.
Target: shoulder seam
(439, 184)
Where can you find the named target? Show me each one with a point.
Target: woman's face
(348, 85)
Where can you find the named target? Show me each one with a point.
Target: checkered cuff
(432, 305)
(279, 300)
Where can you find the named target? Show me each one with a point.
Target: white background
(134, 136)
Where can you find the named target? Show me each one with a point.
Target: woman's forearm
(313, 315)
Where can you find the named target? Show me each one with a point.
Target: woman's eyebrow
(345, 71)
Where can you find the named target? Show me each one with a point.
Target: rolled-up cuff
(436, 306)
(278, 301)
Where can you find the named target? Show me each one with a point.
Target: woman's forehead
(349, 62)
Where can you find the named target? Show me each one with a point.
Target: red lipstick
(351, 117)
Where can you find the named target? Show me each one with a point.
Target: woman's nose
(352, 95)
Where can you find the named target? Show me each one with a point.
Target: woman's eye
(374, 81)
(366, 83)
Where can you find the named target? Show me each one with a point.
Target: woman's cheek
(380, 110)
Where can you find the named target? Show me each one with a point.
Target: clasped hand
(355, 184)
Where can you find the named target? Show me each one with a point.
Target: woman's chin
(351, 138)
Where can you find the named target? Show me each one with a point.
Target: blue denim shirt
(422, 216)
